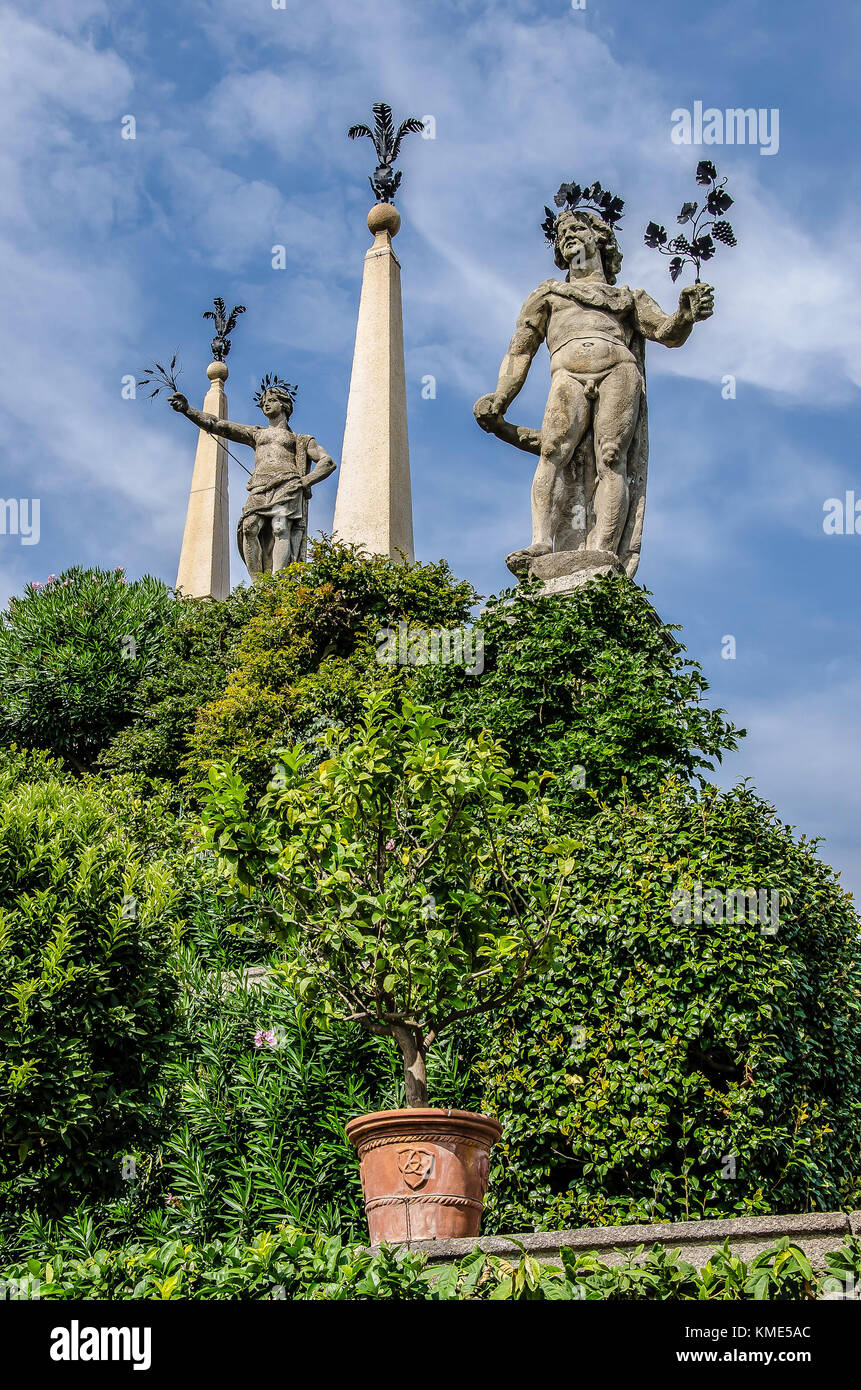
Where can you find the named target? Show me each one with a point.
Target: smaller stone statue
(273, 527)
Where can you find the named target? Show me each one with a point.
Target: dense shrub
(196, 655)
(73, 652)
(667, 1069)
(308, 652)
(595, 690)
(86, 991)
(260, 1099)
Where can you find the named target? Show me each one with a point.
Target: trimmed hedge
(290, 1264)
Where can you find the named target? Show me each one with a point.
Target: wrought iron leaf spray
(707, 225)
(571, 196)
(160, 378)
(387, 143)
(282, 389)
(224, 324)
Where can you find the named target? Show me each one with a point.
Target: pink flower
(265, 1037)
(50, 579)
(37, 584)
(172, 1201)
(390, 844)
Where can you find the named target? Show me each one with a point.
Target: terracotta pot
(424, 1172)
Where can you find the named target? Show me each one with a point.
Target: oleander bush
(73, 653)
(260, 1096)
(86, 986)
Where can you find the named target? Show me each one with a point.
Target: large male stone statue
(588, 494)
(273, 526)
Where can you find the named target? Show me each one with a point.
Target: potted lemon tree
(417, 883)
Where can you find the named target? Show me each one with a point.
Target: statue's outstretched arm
(230, 429)
(696, 302)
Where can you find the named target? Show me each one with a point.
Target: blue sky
(113, 248)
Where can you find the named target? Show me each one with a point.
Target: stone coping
(815, 1232)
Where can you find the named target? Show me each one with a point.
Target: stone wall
(816, 1233)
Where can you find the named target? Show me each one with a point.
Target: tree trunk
(411, 1043)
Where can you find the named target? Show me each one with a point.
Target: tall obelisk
(204, 561)
(374, 502)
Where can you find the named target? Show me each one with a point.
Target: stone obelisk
(374, 503)
(204, 561)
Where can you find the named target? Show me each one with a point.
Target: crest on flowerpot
(416, 1166)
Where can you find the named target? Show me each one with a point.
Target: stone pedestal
(204, 561)
(374, 502)
(563, 571)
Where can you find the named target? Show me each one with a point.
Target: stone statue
(273, 527)
(589, 490)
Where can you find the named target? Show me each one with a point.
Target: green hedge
(290, 1264)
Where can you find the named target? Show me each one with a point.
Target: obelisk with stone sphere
(204, 561)
(374, 503)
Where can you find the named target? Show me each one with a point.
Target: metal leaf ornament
(224, 325)
(570, 197)
(707, 225)
(387, 143)
(160, 378)
(283, 389)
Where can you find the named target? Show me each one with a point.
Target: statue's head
(275, 397)
(583, 231)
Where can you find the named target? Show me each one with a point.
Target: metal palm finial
(224, 324)
(387, 143)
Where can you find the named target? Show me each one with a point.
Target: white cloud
(516, 101)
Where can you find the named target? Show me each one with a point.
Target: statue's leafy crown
(271, 382)
(571, 196)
